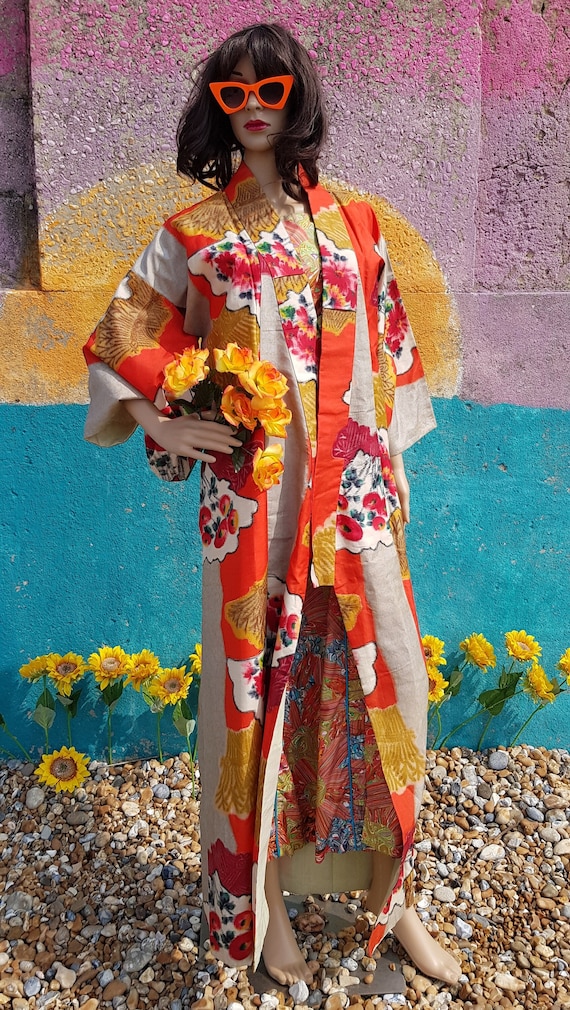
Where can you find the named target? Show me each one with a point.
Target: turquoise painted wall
(97, 550)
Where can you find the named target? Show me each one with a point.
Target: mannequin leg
(281, 955)
(426, 953)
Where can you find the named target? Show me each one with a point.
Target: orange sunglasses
(271, 92)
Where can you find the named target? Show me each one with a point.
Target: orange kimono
(313, 699)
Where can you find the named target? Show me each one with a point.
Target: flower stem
(488, 723)
(17, 742)
(525, 724)
(460, 726)
(109, 736)
(46, 732)
(4, 750)
(190, 755)
(158, 736)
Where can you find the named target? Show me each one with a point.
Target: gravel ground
(100, 892)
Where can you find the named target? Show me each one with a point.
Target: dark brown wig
(206, 143)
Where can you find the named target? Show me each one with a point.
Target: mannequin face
(255, 127)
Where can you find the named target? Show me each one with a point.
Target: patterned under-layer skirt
(331, 790)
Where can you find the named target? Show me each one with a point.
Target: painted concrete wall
(455, 117)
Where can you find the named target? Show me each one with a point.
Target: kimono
(225, 270)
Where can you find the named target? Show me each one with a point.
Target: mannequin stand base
(388, 977)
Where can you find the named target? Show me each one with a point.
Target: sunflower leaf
(112, 693)
(43, 715)
(2, 721)
(182, 718)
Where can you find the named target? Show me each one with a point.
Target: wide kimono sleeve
(146, 324)
(410, 415)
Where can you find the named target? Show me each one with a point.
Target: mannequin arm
(402, 485)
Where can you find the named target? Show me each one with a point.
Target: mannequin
(260, 119)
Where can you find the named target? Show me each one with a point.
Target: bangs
(266, 48)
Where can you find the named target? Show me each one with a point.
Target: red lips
(255, 124)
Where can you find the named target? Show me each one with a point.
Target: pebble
(108, 879)
(299, 991)
(445, 894)
(35, 797)
(65, 976)
(506, 981)
(498, 760)
(32, 986)
(137, 958)
(491, 853)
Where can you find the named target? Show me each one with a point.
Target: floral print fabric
(333, 524)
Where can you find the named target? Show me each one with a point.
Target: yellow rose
(186, 371)
(233, 358)
(267, 466)
(236, 408)
(263, 379)
(272, 414)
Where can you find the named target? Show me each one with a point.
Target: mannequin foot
(281, 955)
(426, 953)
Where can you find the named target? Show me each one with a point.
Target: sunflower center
(524, 647)
(172, 686)
(428, 652)
(65, 669)
(63, 768)
(110, 664)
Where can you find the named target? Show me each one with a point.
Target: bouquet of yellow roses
(252, 399)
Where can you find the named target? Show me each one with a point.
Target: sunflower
(109, 664)
(35, 668)
(521, 646)
(478, 651)
(437, 684)
(65, 769)
(537, 684)
(142, 667)
(196, 659)
(170, 685)
(433, 650)
(64, 671)
(562, 664)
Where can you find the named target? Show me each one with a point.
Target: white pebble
(492, 852)
(299, 991)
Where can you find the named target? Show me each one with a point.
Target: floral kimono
(322, 549)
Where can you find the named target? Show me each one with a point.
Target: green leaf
(44, 716)
(46, 700)
(238, 459)
(182, 718)
(2, 721)
(112, 693)
(493, 701)
(74, 701)
(455, 682)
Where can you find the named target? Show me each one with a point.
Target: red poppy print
(241, 946)
(244, 920)
(349, 528)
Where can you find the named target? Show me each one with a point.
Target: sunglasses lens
(232, 96)
(271, 94)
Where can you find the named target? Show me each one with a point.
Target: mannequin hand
(188, 435)
(402, 486)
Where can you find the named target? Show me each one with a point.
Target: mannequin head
(208, 143)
